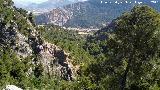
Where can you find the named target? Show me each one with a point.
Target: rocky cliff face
(55, 61)
(26, 59)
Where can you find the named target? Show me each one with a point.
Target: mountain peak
(91, 13)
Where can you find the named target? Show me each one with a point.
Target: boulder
(12, 87)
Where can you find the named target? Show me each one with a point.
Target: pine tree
(135, 44)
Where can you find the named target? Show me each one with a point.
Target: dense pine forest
(125, 55)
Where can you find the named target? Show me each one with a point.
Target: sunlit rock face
(55, 61)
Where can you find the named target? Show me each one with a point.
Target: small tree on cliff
(31, 18)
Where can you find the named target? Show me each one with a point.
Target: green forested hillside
(28, 72)
(122, 56)
(127, 52)
(93, 13)
(67, 40)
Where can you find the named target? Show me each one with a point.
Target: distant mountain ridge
(49, 4)
(46, 5)
(90, 14)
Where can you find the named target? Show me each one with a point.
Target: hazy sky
(21, 3)
(29, 1)
(36, 1)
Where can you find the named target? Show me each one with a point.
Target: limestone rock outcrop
(54, 59)
(12, 87)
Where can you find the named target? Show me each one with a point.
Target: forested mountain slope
(91, 13)
(122, 56)
(127, 52)
(43, 5)
(31, 60)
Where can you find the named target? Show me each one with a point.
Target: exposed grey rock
(55, 61)
(24, 48)
(12, 87)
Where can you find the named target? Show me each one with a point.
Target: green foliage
(22, 11)
(136, 41)
(8, 13)
(31, 18)
(21, 71)
(70, 41)
(130, 47)
(124, 55)
(93, 13)
(38, 70)
(13, 70)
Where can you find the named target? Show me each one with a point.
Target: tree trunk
(124, 77)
